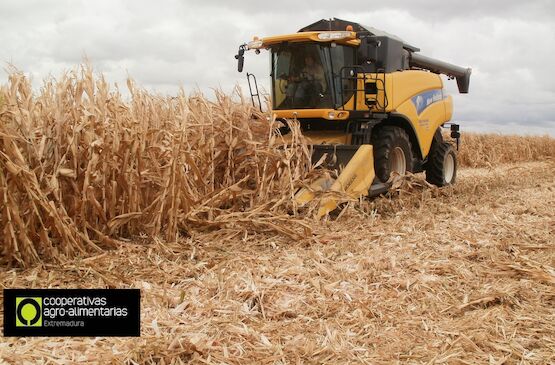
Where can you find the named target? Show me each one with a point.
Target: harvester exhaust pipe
(460, 73)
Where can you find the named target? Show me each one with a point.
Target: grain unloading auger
(367, 101)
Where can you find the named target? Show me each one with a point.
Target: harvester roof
(340, 25)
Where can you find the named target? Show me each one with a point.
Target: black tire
(441, 168)
(388, 139)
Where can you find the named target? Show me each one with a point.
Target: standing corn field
(80, 166)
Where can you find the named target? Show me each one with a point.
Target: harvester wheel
(392, 152)
(441, 168)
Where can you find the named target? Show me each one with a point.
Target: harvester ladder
(355, 74)
(255, 96)
(349, 73)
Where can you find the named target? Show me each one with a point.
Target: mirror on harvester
(240, 57)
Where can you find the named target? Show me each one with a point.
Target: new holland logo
(28, 312)
(425, 99)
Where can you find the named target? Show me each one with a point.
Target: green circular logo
(28, 312)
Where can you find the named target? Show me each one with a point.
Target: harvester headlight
(331, 115)
(333, 35)
(256, 44)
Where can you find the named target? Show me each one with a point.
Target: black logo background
(94, 326)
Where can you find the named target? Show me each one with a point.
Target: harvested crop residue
(458, 275)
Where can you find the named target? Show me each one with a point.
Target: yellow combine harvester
(366, 100)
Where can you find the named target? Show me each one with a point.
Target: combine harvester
(366, 100)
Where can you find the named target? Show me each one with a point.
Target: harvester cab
(368, 102)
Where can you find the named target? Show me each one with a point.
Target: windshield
(307, 75)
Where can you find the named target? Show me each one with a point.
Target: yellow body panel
(407, 84)
(311, 113)
(426, 123)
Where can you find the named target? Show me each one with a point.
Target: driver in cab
(308, 84)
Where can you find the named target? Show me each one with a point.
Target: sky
(168, 44)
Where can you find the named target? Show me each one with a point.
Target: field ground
(463, 275)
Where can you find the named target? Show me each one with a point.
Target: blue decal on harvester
(425, 99)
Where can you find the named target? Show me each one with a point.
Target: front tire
(441, 168)
(392, 152)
